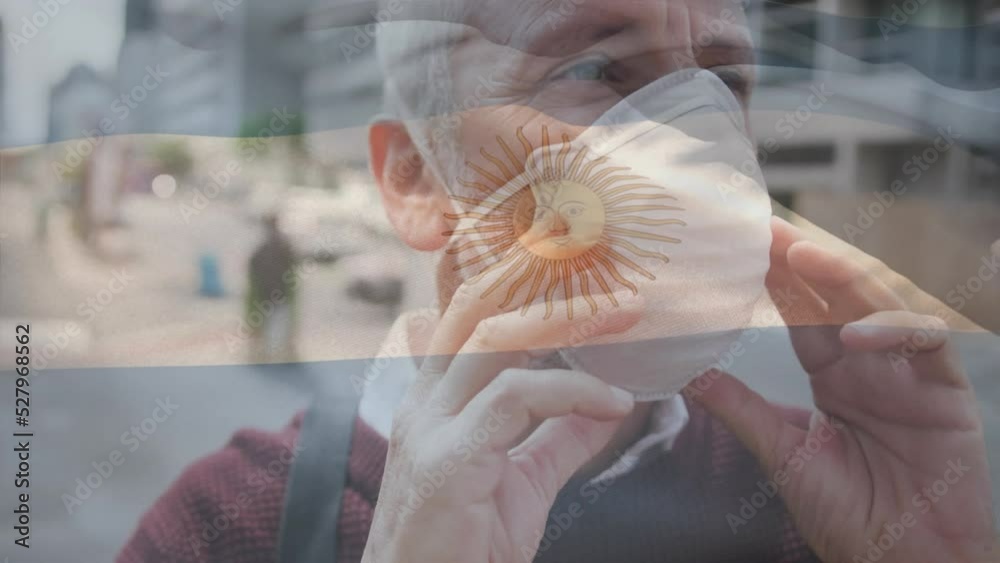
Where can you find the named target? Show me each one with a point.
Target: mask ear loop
(626, 120)
(421, 132)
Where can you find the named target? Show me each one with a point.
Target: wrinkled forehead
(552, 28)
(559, 27)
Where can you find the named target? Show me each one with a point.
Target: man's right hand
(481, 446)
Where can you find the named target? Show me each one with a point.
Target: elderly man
(480, 453)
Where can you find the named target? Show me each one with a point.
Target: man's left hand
(893, 465)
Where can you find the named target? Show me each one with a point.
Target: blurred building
(880, 122)
(78, 103)
(893, 79)
(343, 87)
(138, 49)
(232, 62)
(203, 87)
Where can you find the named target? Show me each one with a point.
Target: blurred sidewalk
(136, 302)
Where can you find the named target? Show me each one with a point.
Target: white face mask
(663, 195)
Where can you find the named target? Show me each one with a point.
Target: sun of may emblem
(559, 221)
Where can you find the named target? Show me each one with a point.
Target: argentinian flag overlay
(135, 203)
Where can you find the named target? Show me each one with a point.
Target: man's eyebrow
(549, 27)
(554, 34)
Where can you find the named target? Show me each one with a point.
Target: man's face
(572, 60)
(538, 73)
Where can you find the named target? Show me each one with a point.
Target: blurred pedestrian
(270, 307)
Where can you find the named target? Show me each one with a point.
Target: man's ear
(414, 199)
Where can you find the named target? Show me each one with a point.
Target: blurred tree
(174, 158)
(290, 137)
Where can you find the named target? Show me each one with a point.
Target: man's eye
(590, 70)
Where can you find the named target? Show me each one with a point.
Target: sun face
(562, 223)
(567, 220)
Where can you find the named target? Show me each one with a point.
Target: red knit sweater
(227, 506)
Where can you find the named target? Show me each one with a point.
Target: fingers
(850, 291)
(911, 341)
(805, 313)
(466, 310)
(560, 447)
(797, 303)
(763, 428)
(491, 295)
(476, 299)
(516, 399)
(785, 286)
(507, 341)
(783, 236)
(890, 329)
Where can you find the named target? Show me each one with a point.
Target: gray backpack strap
(318, 476)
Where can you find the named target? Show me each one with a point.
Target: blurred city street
(158, 320)
(188, 213)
